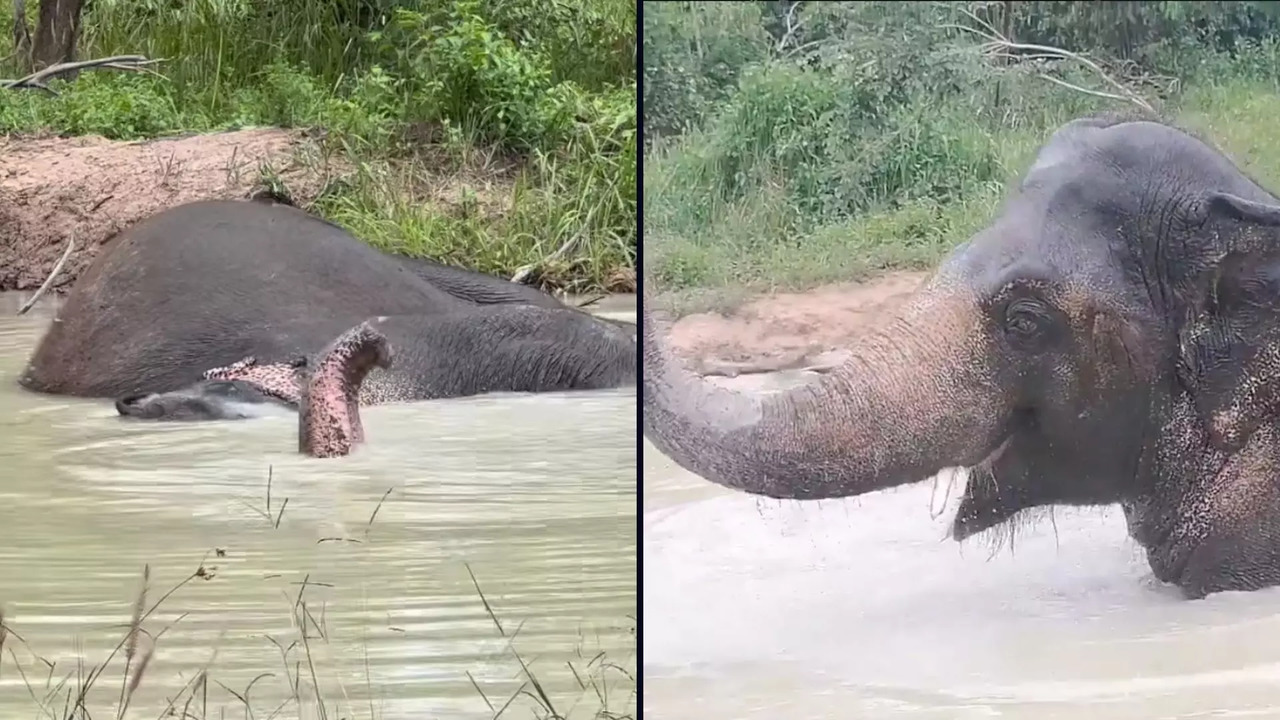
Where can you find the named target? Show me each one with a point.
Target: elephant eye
(1025, 320)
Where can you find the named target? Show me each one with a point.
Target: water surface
(862, 608)
(367, 556)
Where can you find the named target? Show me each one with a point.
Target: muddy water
(535, 495)
(862, 609)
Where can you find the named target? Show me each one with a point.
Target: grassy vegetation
(877, 136)
(529, 107)
(608, 689)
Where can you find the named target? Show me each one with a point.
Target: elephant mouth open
(987, 501)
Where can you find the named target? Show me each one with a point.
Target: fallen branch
(48, 283)
(38, 79)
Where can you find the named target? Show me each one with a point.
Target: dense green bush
(549, 87)
(695, 52)
(799, 142)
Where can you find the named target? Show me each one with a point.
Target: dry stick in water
(48, 282)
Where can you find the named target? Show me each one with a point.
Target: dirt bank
(789, 330)
(53, 188)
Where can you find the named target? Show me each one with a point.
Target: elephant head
(203, 400)
(1041, 354)
(241, 390)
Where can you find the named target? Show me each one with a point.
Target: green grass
(529, 105)
(882, 157)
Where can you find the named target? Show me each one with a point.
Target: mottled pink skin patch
(279, 380)
(329, 412)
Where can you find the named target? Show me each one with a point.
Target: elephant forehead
(998, 260)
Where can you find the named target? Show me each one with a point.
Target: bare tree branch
(38, 80)
(48, 282)
(791, 25)
(997, 45)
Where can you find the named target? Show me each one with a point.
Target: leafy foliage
(789, 133)
(407, 89)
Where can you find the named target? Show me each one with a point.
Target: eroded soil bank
(88, 188)
(787, 331)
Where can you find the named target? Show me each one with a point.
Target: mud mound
(53, 188)
(789, 330)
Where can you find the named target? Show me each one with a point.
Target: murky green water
(862, 608)
(353, 575)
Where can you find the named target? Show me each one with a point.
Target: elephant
(209, 283)
(1043, 355)
(488, 349)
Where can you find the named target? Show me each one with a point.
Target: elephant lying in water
(206, 284)
(438, 356)
(1046, 354)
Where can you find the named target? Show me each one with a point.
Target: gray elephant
(1044, 356)
(519, 348)
(206, 284)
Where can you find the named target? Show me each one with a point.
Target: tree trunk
(21, 35)
(57, 32)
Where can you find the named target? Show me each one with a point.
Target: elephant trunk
(914, 398)
(329, 412)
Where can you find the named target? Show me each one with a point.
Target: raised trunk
(329, 408)
(913, 399)
(57, 32)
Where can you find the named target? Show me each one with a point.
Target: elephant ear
(1229, 359)
(1244, 281)
(1252, 212)
(1250, 234)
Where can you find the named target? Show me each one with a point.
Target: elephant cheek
(1120, 356)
